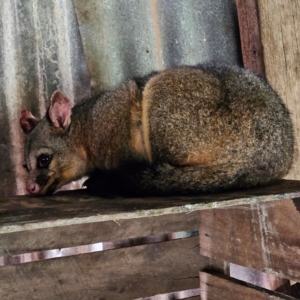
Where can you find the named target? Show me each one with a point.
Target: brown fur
(186, 130)
(200, 157)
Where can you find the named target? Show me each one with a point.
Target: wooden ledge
(71, 219)
(76, 207)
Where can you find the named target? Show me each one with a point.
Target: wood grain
(280, 35)
(130, 273)
(21, 213)
(74, 218)
(262, 236)
(89, 233)
(219, 287)
(252, 50)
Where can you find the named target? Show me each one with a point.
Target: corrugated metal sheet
(84, 47)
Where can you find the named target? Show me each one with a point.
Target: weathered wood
(252, 50)
(262, 236)
(77, 207)
(130, 273)
(219, 287)
(90, 233)
(74, 218)
(280, 35)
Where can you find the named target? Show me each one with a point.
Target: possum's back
(211, 116)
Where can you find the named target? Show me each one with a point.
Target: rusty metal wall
(85, 46)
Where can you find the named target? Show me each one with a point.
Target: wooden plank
(252, 50)
(280, 35)
(73, 218)
(90, 233)
(130, 273)
(77, 207)
(262, 236)
(219, 287)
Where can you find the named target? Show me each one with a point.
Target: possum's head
(51, 158)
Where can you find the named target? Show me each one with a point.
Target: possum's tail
(169, 180)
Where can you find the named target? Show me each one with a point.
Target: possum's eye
(43, 160)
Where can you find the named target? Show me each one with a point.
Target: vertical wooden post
(280, 36)
(253, 59)
(252, 50)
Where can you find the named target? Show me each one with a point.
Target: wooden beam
(220, 287)
(262, 236)
(114, 231)
(252, 50)
(280, 35)
(73, 218)
(130, 273)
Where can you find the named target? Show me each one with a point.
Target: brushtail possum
(184, 130)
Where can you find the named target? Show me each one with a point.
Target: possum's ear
(60, 110)
(27, 121)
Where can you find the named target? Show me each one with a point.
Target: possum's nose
(32, 189)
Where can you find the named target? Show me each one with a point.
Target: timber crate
(74, 246)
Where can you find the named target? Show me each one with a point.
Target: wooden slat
(89, 233)
(280, 35)
(77, 207)
(130, 273)
(262, 236)
(218, 287)
(252, 50)
(74, 218)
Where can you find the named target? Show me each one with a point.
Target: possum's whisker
(67, 168)
(53, 173)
